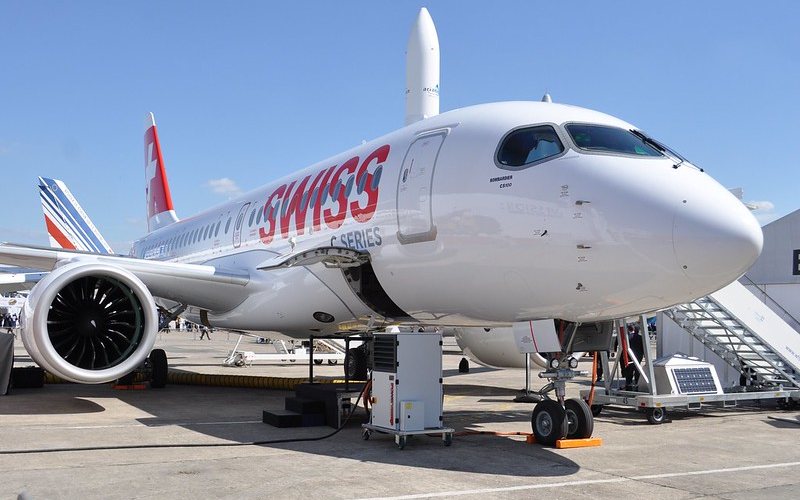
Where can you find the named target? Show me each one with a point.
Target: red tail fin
(160, 211)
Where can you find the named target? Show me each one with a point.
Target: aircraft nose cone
(716, 239)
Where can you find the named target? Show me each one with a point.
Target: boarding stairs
(743, 331)
(280, 347)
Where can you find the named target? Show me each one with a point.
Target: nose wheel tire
(580, 422)
(549, 422)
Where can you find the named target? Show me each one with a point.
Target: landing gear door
(414, 210)
(237, 227)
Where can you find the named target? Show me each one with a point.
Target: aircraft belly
(291, 301)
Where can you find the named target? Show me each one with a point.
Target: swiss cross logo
(150, 169)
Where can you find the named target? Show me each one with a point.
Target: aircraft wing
(203, 286)
(15, 279)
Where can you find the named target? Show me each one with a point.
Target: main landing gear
(560, 418)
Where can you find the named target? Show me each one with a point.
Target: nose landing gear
(560, 418)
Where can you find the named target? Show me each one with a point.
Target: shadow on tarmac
(234, 415)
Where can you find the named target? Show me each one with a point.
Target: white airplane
(490, 215)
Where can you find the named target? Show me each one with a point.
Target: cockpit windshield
(529, 145)
(659, 146)
(602, 138)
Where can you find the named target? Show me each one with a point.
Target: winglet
(160, 211)
(67, 224)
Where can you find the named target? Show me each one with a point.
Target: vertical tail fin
(160, 211)
(67, 224)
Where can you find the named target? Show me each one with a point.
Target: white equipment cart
(407, 385)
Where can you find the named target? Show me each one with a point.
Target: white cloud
(762, 206)
(224, 186)
(764, 211)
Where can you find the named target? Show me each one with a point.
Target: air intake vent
(384, 353)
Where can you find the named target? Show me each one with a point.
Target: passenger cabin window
(605, 139)
(529, 145)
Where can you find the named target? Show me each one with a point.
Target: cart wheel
(596, 410)
(549, 422)
(333, 361)
(580, 422)
(401, 441)
(656, 416)
(448, 438)
(365, 434)
(317, 361)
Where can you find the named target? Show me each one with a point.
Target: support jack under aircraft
(506, 214)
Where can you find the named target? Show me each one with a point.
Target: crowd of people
(182, 325)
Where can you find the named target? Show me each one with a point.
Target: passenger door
(414, 210)
(237, 228)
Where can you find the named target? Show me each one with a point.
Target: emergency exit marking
(796, 265)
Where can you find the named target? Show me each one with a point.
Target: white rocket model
(422, 70)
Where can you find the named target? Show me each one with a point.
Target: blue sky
(249, 91)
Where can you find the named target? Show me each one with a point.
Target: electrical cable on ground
(195, 445)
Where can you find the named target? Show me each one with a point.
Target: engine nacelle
(89, 322)
(494, 347)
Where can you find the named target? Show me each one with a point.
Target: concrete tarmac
(203, 434)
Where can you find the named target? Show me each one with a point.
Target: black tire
(463, 366)
(317, 361)
(333, 361)
(402, 441)
(580, 422)
(448, 439)
(548, 422)
(355, 364)
(656, 416)
(160, 368)
(365, 434)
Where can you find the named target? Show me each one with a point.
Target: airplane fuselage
(459, 236)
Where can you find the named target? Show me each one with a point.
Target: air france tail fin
(67, 224)
(160, 212)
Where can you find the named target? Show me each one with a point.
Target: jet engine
(89, 322)
(494, 347)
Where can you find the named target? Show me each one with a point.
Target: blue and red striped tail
(67, 224)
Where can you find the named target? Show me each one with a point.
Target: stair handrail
(787, 376)
(795, 323)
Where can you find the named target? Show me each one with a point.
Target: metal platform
(401, 437)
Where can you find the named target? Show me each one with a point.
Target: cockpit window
(529, 145)
(607, 139)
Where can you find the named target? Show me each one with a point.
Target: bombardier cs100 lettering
(482, 216)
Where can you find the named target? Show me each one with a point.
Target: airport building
(775, 277)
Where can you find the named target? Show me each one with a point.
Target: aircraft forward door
(414, 209)
(237, 227)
